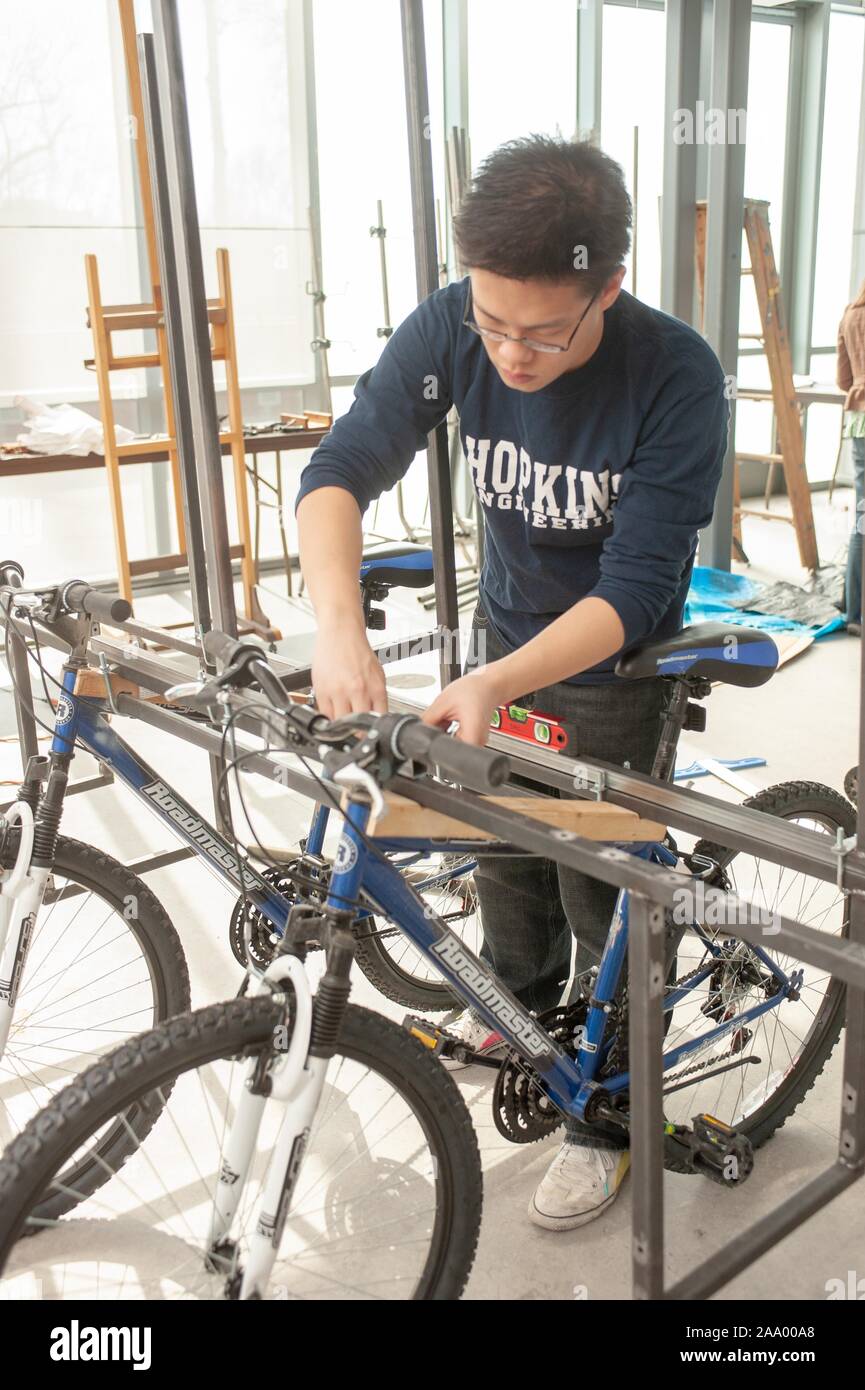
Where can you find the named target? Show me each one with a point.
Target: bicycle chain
(617, 1058)
(701, 1066)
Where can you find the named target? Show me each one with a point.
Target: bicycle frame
(361, 865)
(362, 869)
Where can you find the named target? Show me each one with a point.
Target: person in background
(851, 378)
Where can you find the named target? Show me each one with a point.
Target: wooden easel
(790, 444)
(105, 319)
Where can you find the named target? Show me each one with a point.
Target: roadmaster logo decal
(482, 987)
(64, 711)
(191, 826)
(550, 496)
(346, 855)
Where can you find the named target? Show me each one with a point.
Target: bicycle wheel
(777, 1057)
(104, 963)
(388, 1199)
(393, 964)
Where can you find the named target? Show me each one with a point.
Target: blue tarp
(712, 593)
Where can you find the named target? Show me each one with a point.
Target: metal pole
(590, 17)
(851, 1151)
(189, 338)
(679, 199)
(426, 263)
(195, 552)
(645, 1046)
(22, 686)
(731, 37)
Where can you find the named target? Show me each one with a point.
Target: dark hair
(533, 201)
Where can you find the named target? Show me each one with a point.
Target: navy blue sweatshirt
(596, 484)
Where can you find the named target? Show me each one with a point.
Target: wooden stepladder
(104, 320)
(789, 449)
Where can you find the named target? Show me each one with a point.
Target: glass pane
(243, 65)
(65, 190)
(768, 76)
(632, 96)
(837, 180)
(522, 74)
(363, 158)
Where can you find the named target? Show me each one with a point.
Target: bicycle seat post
(679, 714)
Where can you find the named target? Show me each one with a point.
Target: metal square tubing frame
(426, 267)
(187, 332)
(731, 38)
(653, 889)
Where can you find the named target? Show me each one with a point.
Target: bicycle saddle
(406, 566)
(716, 651)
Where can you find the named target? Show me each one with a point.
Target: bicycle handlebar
(79, 597)
(218, 645)
(410, 741)
(470, 765)
(74, 597)
(11, 574)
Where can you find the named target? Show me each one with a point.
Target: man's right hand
(347, 677)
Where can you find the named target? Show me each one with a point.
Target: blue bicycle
(300, 1147)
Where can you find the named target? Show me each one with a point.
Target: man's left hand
(468, 702)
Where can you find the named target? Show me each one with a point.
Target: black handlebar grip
(471, 766)
(11, 574)
(105, 608)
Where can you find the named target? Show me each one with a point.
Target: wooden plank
(594, 820)
(778, 356)
(137, 131)
(102, 352)
(91, 683)
(759, 458)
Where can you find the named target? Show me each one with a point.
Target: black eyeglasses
(533, 343)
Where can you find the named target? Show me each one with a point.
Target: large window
(632, 102)
(522, 71)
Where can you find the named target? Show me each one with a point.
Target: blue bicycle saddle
(405, 566)
(716, 651)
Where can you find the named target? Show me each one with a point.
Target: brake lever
(192, 693)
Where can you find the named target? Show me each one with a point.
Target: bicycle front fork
(296, 1079)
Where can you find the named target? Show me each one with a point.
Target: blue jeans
(853, 578)
(530, 907)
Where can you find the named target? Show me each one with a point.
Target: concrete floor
(805, 724)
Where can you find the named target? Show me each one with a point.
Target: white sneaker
(580, 1183)
(474, 1034)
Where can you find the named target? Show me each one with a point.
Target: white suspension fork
(282, 1178)
(21, 891)
(284, 1078)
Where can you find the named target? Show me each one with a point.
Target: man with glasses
(594, 428)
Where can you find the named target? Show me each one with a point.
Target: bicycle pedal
(441, 1044)
(712, 1148)
(428, 1034)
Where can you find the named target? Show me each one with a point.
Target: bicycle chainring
(522, 1111)
(246, 917)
